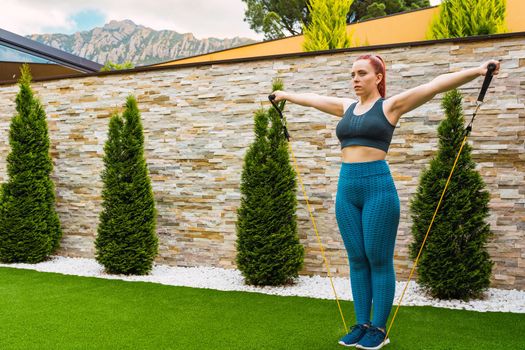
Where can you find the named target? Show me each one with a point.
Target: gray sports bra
(371, 128)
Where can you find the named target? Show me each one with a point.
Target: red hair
(379, 67)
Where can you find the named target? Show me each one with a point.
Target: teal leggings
(367, 212)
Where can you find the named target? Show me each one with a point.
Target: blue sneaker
(356, 333)
(374, 339)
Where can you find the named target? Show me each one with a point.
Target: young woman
(367, 204)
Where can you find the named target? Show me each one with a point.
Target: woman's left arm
(408, 100)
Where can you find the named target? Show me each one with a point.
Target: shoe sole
(374, 348)
(347, 345)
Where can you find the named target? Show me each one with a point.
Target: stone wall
(198, 124)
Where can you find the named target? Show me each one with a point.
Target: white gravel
(312, 287)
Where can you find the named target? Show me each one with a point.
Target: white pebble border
(312, 287)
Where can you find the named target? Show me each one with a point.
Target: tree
(454, 263)
(459, 18)
(29, 225)
(126, 242)
(327, 28)
(367, 9)
(276, 18)
(268, 247)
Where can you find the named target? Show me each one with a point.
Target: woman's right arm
(332, 105)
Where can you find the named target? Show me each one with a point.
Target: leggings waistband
(361, 169)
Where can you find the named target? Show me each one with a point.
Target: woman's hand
(279, 95)
(483, 68)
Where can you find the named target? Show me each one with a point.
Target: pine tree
(459, 18)
(327, 28)
(454, 263)
(268, 247)
(29, 225)
(126, 242)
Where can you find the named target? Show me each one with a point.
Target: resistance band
(488, 77)
(287, 135)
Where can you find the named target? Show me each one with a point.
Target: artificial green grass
(52, 311)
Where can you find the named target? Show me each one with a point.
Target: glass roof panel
(8, 54)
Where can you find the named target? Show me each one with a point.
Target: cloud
(203, 18)
(18, 17)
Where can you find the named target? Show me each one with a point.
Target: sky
(203, 18)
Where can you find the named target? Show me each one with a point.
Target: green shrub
(454, 263)
(327, 28)
(461, 18)
(29, 225)
(110, 66)
(268, 247)
(126, 242)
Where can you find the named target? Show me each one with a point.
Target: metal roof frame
(35, 48)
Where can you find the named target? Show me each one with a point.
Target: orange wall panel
(397, 28)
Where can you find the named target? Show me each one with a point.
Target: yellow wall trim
(405, 27)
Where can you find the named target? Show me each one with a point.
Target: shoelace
(376, 333)
(357, 326)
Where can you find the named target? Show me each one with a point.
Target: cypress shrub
(454, 263)
(268, 247)
(327, 27)
(29, 225)
(461, 18)
(126, 242)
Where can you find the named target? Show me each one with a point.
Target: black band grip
(272, 98)
(488, 78)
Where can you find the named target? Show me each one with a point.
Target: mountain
(120, 41)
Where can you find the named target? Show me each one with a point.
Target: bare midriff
(352, 154)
